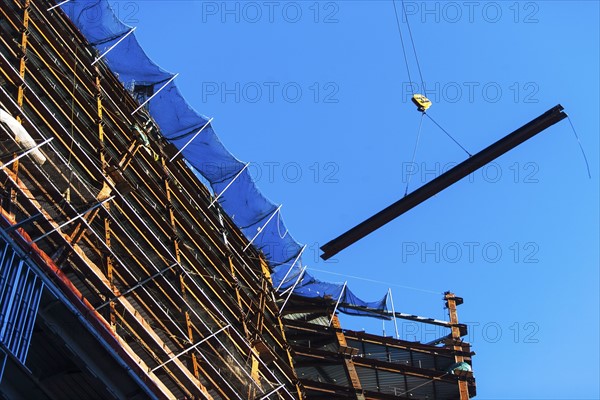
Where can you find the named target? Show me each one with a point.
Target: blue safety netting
(312, 287)
(259, 219)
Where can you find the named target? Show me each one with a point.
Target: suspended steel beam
(443, 181)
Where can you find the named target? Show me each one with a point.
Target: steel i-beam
(443, 181)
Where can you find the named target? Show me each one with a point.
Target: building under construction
(124, 275)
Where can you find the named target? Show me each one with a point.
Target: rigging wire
(420, 76)
(581, 147)
(412, 162)
(449, 135)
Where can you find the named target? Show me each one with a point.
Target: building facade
(121, 278)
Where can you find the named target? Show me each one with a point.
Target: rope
(450, 136)
(414, 152)
(374, 281)
(581, 147)
(278, 229)
(414, 49)
(403, 49)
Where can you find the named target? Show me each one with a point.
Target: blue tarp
(179, 122)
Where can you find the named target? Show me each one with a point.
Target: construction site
(123, 275)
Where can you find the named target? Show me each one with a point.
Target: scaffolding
(130, 264)
(130, 229)
(333, 363)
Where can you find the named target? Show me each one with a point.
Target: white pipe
(189, 141)
(290, 270)
(271, 392)
(114, 45)
(73, 219)
(155, 93)
(32, 150)
(58, 5)
(263, 227)
(229, 184)
(394, 312)
(292, 289)
(191, 348)
(139, 284)
(338, 302)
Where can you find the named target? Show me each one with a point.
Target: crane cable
(421, 101)
(412, 41)
(449, 135)
(410, 81)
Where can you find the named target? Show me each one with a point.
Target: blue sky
(315, 95)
